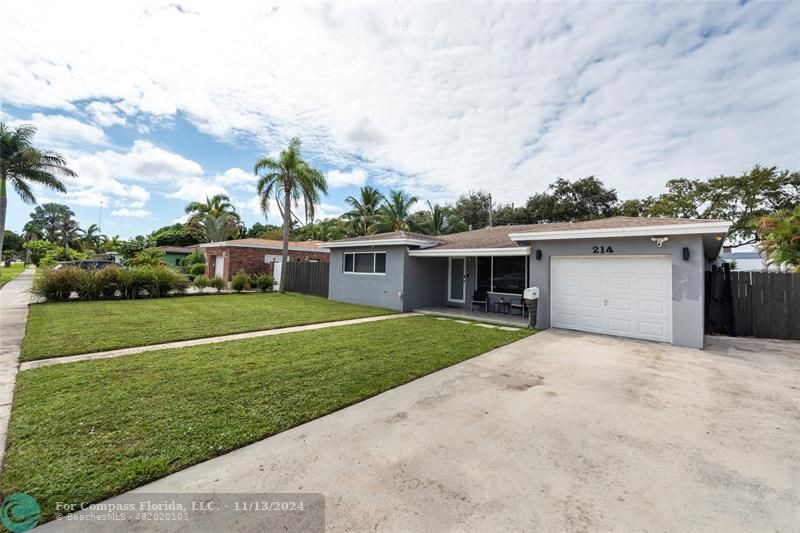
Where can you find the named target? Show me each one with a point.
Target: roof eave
(513, 251)
(376, 242)
(718, 227)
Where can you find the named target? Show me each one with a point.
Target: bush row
(111, 282)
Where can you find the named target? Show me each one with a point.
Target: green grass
(82, 432)
(69, 328)
(9, 273)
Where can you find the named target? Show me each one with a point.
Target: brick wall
(252, 260)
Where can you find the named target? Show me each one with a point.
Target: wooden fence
(307, 277)
(753, 304)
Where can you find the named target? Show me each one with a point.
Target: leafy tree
(133, 246)
(780, 233)
(743, 200)
(289, 179)
(636, 207)
(38, 249)
(12, 241)
(364, 209)
(147, 257)
(174, 235)
(264, 231)
(508, 214)
(22, 164)
(473, 208)
(394, 214)
(572, 201)
(437, 220)
(68, 230)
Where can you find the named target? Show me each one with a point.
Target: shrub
(201, 282)
(109, 281)
(194, 258)
(197, 269)
(149, 257)
(217, 282)
(265, 282)
(152, 281)
(57, 285)
(240, 281)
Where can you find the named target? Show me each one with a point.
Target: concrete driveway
(559, 432)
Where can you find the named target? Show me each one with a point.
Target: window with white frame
(365, 262)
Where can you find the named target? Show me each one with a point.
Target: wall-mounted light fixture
(538, 255)
(685, 253)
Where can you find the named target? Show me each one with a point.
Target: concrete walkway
(14, 299)
(197, 342)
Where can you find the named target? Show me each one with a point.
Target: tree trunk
(3, 207)
(287, 217)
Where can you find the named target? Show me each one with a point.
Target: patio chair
(517, 303)
(480, 298)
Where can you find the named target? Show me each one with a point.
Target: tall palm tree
(69, 231)
(22, 164)
(364, 210)
(49, 218)
(290, 176)
(219, 204)
(394, 214)
(438, 220)
(113, 244)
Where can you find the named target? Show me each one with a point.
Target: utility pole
(100, 221)
(490, 210)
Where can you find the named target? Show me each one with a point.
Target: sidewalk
(197, 342)
(14, 299)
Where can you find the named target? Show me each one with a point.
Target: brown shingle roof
(269, 243)
(498, 236)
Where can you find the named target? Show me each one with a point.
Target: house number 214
(602, 250)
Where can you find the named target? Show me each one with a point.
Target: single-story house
(626, 276)
(174, 255)
(257, 256)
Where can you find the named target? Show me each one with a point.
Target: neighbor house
(174, 255)
(632, 277)
(257, 256)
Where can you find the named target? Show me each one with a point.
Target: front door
(457, 280)
(219, 264)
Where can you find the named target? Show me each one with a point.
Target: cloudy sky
(158, 104)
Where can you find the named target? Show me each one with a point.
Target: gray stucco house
(633, 277)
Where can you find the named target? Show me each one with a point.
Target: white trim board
(376, 242)
(514, 251)
(262, 246)
(720, 227)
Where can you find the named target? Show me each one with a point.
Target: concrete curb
(199, 342)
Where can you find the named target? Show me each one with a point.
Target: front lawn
(82, 432)
(9, 273)
(69, 328)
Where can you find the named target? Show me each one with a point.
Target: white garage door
(628, 296)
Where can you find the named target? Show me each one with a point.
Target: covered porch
(479, 283)
(500, 319)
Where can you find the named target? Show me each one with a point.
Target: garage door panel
(623, 295)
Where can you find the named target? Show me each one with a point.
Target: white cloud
(196, 189)
(105, 114)
(237, 178)
(431, 96)
(356, 177)
(60, 130)
(135, 213)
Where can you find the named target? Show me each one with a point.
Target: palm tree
(218, 228)
(290, 176)
(92, 237)
(21, 164)
(69, 230)
(364, 210)
(394, 214)
(113, 244)
(219, 204)
(438, 220)
(49, 218)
